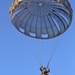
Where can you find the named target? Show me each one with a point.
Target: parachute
(41, 19)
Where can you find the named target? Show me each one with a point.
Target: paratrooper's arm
(41, 68)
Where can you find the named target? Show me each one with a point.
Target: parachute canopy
(42, 19)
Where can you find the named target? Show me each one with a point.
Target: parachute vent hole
(22, 30)
(32, 34)
(44, 35)
(40, 4)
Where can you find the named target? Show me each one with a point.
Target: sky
(19, 53)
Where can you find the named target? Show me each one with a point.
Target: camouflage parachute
(42, 19)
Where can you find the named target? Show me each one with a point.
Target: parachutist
(44, 70)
